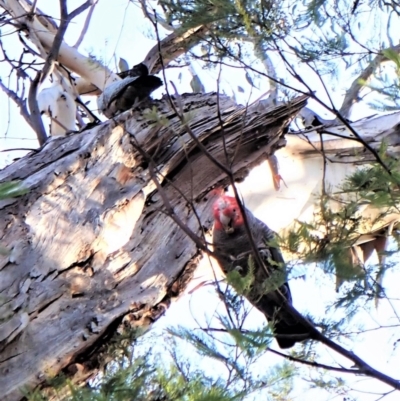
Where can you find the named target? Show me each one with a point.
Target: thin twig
(312, 95)
(18, 149)
(33, 8)
(35, 115)
(356, 86)
(20, 103)
(314, 364)
(86, 25)
(58, 39)
(337, 113)
(52, 55)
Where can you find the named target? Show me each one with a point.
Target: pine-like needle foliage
(337, 238)
(177, 371)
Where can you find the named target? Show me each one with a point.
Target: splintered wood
(90, 245)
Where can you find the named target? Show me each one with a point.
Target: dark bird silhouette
(127, 93)
(138, 70)
(269, 291)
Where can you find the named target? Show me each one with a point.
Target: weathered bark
(90, 244)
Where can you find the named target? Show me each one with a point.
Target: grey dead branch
(90, 246)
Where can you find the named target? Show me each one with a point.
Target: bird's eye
(234, 210)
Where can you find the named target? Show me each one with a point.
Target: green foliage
(12, 189)
(325, 238)
(329, 240)
(155, 118)
(147, 374)
(242, 281)
(386, 83)
(326, 35)
(390, 54)
(320, 34)
(230, 20)
(374, 185)
(322, 50)
(253, 342)
(238, 353)
(124, 384)
(329, 384)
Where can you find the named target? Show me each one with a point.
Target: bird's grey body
(125, 94)
(269, 292)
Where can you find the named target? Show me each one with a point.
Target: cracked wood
(89, 243)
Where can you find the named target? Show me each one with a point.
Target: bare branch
(43, 36)
(79, 9)
(333, 109)
(55, 48)
(364, 368)
(353, 93)
(153, 18)
(269, 67)
(86, 25)
(172, 46)
(33, 9)
(18, 149)
(314, 364)
(20, 103)
(35, 117)
(58, 39)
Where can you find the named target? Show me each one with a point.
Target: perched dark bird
(269, 292)
(138, 70)
(125, 94)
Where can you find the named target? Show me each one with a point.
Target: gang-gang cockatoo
(269, 292)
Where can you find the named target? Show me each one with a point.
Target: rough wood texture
(90, 244)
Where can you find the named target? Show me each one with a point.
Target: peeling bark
(90, 245)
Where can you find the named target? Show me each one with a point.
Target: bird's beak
(226, 223)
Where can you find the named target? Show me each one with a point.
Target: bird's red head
(227, 214)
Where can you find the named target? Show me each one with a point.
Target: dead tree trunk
(90, 245)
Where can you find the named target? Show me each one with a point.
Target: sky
(130, 36)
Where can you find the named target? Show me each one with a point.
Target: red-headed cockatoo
(269, 291)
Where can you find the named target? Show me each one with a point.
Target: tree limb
(58, 39)
(364, 368)
(107, 198)
(20, 103)
(314, 364)
(52, 55)
(352, 94)
(86, 25)
(90, 70)
(172, 46)
(314, 333)
(35, 116)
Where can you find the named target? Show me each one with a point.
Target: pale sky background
(118, 29)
